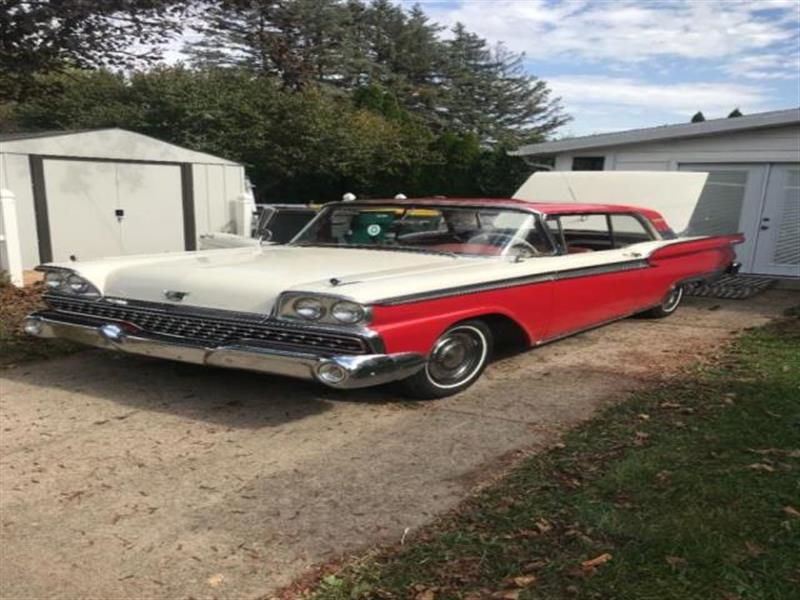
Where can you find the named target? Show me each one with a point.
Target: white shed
(108, 192)
(753, 185)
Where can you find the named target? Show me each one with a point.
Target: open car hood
(674, 195)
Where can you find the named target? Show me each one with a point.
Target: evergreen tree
(53, 36)
(460, 84)
(698, 117)
(735, 113)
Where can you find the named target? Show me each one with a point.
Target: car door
(595, 280)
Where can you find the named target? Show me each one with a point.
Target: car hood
(250, 279)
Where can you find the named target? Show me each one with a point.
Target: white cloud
(603, 102)
(627, 31)
(765, 66)
(676, 98)
(631, 63)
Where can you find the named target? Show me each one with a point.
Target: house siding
(775, 145)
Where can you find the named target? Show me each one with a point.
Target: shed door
(150, 198)
(81, 200)
(99, 209)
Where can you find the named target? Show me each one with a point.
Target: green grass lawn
(690, 490)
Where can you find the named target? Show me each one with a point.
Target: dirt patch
(15, 345)
(141, 478)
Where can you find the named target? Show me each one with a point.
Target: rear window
(593, 232)
(628, 230)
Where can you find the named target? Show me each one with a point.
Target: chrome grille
(214, 329)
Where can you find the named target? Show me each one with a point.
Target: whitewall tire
(669, 305)
(455, 362)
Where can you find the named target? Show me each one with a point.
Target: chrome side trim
(362, 370)
(516, 282)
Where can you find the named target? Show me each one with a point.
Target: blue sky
(620, 64)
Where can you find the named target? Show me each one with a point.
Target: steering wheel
(524, 249)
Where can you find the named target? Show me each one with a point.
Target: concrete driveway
(131, 478)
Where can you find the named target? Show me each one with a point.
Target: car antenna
(569, 187)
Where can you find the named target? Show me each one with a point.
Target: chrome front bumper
(342, 372)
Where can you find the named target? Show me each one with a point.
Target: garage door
(760, 200)
(778, 241)
(98, 209)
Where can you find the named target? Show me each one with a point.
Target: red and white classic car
(417, 291)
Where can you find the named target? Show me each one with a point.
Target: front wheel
(668, 306)
(456, 361)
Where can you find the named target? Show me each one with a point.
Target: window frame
(600, 158)
(560, 243)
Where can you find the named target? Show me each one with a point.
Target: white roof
(113, 143)
(775, 118)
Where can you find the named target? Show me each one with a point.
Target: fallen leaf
(791, 511)
(543, 525)
(761, 467)
(522, 581)
(596, 561)
(676, 562)
(506, 595)
(643, 416)
(754, 550)
(216, 580)
(428, 594)
(776, 451)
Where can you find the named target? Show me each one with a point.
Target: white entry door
(778, 242)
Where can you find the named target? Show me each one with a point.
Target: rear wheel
(456, 361)
(668, 306)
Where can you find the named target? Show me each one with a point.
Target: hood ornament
(174, 295)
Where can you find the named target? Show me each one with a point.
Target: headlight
(309, 308)
(322, 309)
(77, 284)
(67, 282)
(54, 279)
(347, 312)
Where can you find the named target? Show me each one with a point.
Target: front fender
(415, 326)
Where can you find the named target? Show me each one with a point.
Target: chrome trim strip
(362, 370)
(516, 282)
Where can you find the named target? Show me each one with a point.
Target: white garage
(81, 195)
(753, 185)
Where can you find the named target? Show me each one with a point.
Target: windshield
(436, 229)
(281, 225)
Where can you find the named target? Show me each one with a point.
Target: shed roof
(111, 143)
(775, 118)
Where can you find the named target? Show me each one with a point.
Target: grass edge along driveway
(689, 490)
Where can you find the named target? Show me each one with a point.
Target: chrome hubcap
(672, 301)
(456, 357)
